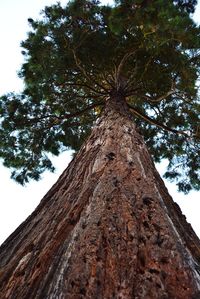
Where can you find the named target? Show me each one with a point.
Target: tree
(76, 57)
(108, 228)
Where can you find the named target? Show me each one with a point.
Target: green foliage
(79, 55)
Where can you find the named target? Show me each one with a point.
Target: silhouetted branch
(155, 122)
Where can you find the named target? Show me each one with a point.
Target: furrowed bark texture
(107, 229)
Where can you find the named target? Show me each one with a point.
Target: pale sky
(17, 202)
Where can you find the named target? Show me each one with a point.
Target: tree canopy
(77, 56)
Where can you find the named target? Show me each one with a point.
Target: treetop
(77, 56)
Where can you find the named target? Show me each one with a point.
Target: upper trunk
(107, 229)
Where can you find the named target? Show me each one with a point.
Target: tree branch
(131, 81)
(122, 62)
(118, 69)
(64, 117)
(84, 110)
(159, 99)
(109, 82)
(81, 85)
(78, 64)
(156, 123)
(164, 96)
(132, 92)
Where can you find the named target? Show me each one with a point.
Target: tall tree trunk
(107, 229)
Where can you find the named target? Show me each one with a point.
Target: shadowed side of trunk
(107, 229)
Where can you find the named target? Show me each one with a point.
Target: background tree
(78, 56)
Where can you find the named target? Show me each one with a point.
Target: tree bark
(107, 229)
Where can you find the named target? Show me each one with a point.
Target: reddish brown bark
(107, 229)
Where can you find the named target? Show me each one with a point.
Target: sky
(17, 202)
